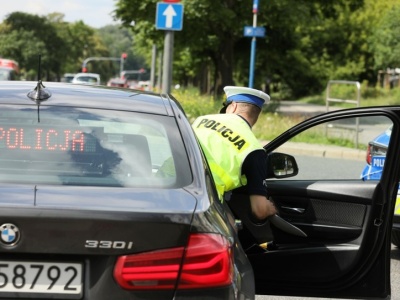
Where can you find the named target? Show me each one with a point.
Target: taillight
(208, 262)
(375, 150)
(369, 155)
(150, 270)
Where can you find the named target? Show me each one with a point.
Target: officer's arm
(261, 207)
(254, 167)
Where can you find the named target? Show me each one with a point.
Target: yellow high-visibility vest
(397, 208)
(226, 140)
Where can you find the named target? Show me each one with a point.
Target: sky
(95, 13)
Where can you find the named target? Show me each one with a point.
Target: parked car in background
(376, 157)
(143, 85)
(106, 194)
(87, 78)
(118, 82)
(67, 77)
(137, 79)
(9, 69)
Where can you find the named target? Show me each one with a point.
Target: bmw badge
(9, 234)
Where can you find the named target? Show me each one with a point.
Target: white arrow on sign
(169, 14)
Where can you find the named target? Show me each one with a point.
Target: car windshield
(90, 79)
(93, 147)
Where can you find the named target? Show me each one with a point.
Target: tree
(63, 46)
(24, 37)
(307, 43)
(386, 39)
(121, 40)
(213, 35)
(82, 42)
(208, 32)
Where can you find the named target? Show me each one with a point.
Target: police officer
(234, 154)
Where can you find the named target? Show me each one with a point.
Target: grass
(271, 124)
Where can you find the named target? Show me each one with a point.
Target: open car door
(345, 249)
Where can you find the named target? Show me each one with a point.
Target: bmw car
(376, 156)
(105, 194)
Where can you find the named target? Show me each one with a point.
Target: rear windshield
(90, 147)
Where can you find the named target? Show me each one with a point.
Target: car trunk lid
(91, 220)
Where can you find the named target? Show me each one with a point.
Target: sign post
(169, 17)
(254, 32)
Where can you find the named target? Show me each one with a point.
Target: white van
(86, 78)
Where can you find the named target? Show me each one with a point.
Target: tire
(396, 238)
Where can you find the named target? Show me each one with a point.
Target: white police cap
(246, 95)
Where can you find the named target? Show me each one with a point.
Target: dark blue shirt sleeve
(255, 169)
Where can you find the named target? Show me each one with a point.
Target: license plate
(378, 161)
(45, 278)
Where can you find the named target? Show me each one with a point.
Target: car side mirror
(281, 165)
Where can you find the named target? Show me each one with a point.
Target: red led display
(46, 139)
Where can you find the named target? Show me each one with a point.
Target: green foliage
(370, 95)
(344, 92)
(24, 37)
(307, 43)
(62, 46)
(383, 97)
(121, 41)
(386, 39)
(13, 45)
(321, 138)
(82, 43)
(271, 124)
(195, 104)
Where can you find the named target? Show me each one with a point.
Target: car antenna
(39, 93)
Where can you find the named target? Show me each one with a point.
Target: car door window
(350, 148)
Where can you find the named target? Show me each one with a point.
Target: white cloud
(95, 13)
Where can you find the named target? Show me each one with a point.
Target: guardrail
(352, 101)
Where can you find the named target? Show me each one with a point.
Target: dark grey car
(105, 194)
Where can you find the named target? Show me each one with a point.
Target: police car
(376, 156)
(105, 194)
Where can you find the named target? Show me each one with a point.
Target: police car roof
(75, 95)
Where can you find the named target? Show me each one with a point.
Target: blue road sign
(254, 31)
(169, 16)
(255, 6)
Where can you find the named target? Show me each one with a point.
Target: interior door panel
(333, 222)
(346, 219)
(324, 211)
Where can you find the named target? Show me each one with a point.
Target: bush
(195, 104)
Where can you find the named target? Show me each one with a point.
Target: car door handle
(298, 210)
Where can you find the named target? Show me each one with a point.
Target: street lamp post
(123, 57)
